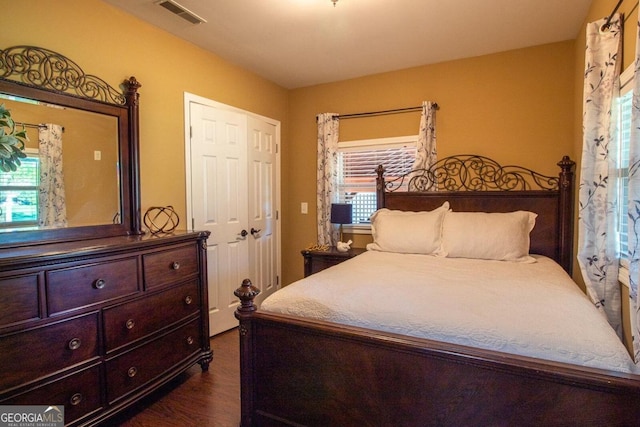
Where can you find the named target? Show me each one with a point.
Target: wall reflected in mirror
(90, 165)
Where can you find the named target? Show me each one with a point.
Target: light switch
(97, 155)
(304, 207)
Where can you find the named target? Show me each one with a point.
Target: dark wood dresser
(95, 325)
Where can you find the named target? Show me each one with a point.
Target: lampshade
(341, 213)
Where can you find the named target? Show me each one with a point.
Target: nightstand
(315, 261)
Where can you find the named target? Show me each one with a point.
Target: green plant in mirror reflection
(12, 142)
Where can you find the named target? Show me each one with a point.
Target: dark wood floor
(195, 398)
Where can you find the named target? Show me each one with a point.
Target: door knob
(243, 233)
(254, 231)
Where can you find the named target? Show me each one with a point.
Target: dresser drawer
(35, 353)
(19, 299)
(78, 287)
(79, 393)
(130, 321)
(168, 267)
(133, 369)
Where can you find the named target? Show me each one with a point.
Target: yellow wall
(113, 45)
(516, 107)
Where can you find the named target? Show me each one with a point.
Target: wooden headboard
(473, 183)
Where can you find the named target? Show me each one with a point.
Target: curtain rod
(32, 125)
(615, 9)
(29, 125)
(383, 112)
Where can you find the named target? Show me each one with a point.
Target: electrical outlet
(97, 155)
(304, 208)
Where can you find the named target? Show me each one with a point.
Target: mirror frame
(44, 75)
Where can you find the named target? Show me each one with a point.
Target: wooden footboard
(296, 371)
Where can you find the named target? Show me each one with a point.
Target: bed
(374, 358)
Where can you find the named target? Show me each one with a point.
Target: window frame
(626, 85)
(31, 153)
(364, 144)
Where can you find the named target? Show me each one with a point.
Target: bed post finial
(567, 165)
(380, 186)
(566, 213)
(246, 293)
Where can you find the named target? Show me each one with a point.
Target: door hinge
(193, 224)
(277, 280)
(277, 147)
(190, 132)
(277, 215)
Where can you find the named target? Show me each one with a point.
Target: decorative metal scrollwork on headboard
(49, 70)
(472, 173)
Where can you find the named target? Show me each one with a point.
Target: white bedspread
(526, 309)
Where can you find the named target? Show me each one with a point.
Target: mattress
(529, 309)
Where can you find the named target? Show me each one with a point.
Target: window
(19, 194)
(357, 162)
(624, 106)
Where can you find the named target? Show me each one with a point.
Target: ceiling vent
(181, 11)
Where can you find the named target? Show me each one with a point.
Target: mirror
(88, 173)
(95, 191)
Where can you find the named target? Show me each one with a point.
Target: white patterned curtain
(52, 206)
(634, 205)
(328, 133)
(426, 154)
(597, 246)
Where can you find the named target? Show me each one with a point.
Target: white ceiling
(297, 43)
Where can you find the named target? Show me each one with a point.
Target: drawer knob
(190, 340)
(130, 324)
(76, 399)
(175, 265)
(132, 372)
(188, 300)
(100, 283)
(74, 344)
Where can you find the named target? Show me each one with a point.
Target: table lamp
(341, 213)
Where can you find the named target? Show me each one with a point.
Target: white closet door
(219, 204)
(263, 244)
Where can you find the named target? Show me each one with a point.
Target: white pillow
(407, 232)
(481, 235)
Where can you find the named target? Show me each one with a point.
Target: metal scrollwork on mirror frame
(471, 173)
(42, 74)
(46, 69)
